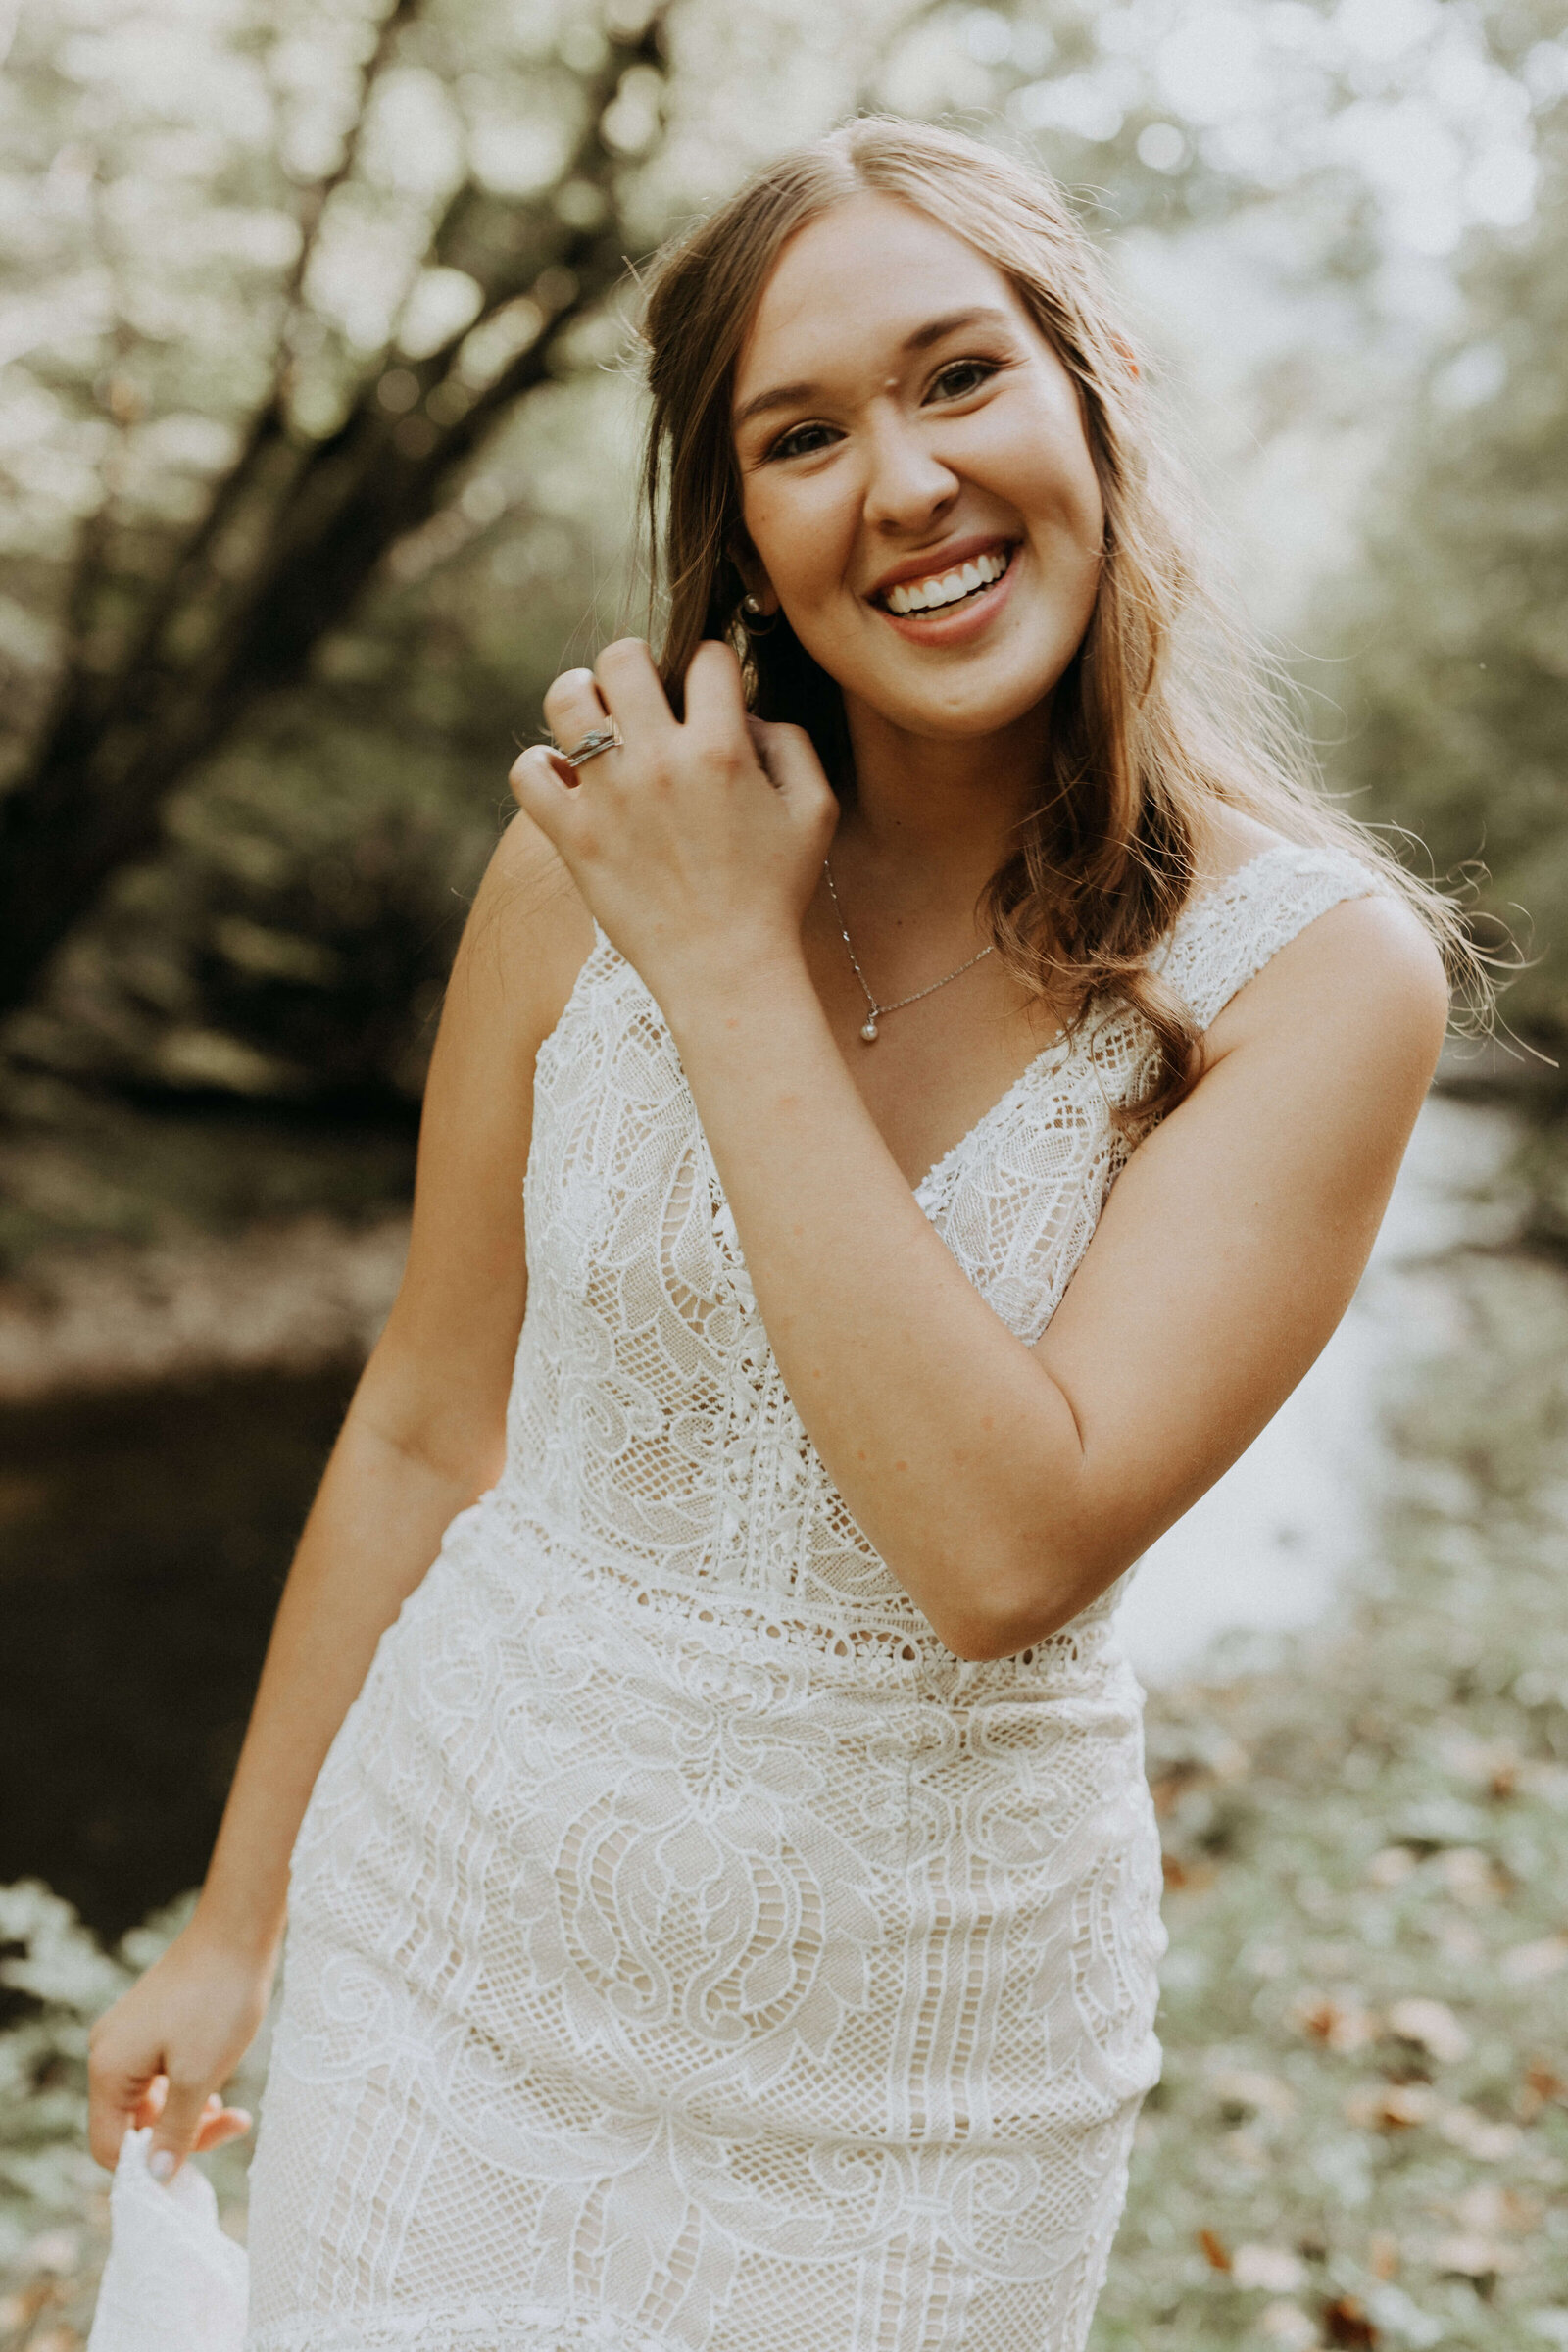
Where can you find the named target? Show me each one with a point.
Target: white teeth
(946, 588)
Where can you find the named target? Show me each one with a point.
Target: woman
(727, 1915)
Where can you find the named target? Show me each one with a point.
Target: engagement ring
(599, 739)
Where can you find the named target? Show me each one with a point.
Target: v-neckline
(1059, 1046)
(940, 1169)
(1060, 1043)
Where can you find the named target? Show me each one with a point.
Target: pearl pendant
(870, 1032)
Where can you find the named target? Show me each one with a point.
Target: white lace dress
(686, 1950)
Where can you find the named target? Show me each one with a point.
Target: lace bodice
(650, 1424)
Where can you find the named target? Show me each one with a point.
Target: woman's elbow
(1021, 1602)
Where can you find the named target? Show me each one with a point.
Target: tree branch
(208, 646)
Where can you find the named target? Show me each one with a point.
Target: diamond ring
(597, 740)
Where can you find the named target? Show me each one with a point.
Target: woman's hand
(696, 844)
(161, 2055)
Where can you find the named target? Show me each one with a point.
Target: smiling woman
(725, 1914)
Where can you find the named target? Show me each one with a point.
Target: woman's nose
(906, 482)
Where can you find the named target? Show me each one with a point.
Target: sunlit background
(318, 414)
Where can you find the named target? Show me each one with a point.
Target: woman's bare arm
(422, 1438)
(1005, 1486)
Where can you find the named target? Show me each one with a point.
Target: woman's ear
(761, 599)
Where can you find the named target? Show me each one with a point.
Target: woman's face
(916, 482)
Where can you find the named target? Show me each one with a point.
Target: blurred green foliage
(1452, 627)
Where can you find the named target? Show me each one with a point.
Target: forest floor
(1361, 2139)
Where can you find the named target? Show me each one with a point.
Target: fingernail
(162, 2166)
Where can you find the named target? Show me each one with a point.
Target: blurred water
(1265, 1548)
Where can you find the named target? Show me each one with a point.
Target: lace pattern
(685, 1950)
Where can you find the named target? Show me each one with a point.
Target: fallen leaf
(1431, 2025)
(1490, 1764)
(1275, 2268)
(1171, 1785)
(1391, 2106)
(1346, 2324)
(1248, 2086)
(1191, 1876)
(1339, 2020)
(1528, 1963)
(1539, 2088)
(1490, 2211)
(1215, 2252)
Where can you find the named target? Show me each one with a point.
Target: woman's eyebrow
(791, 396)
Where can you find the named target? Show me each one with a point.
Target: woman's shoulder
(1232, 846)
(527, 937)
(1227, 841)
(1265, 903)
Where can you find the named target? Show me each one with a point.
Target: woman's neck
(934, 817)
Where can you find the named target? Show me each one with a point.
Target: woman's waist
(799, 1616)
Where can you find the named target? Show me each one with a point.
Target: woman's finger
(543, 787)
(574, 707)
(632, 691)
(119, 2100)
(223, 2125)
(174, 2134)
(715, 698)
(789, 758)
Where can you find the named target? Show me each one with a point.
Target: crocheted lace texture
(686, 1950)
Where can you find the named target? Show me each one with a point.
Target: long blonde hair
(1154, 716)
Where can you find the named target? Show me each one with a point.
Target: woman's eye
(800, 441)
(961, 376)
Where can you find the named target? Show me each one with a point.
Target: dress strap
(1223, 939)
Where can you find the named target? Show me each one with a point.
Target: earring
(753, 619)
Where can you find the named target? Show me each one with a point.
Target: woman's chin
(955, 709)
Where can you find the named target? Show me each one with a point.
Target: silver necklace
(874, 1010)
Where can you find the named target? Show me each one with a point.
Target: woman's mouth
(946, 607)
(943, 589)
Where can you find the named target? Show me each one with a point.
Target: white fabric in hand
(173, 2281)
